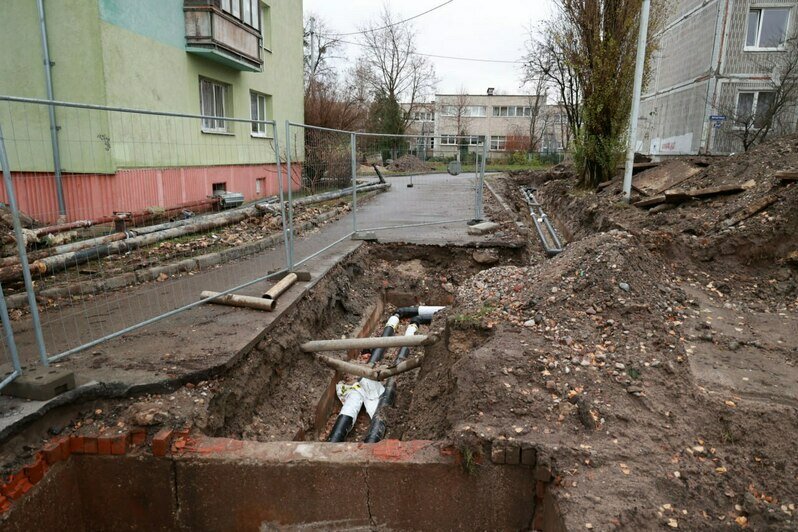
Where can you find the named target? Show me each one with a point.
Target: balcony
(221, 37)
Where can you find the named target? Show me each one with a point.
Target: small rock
(529, 323)
(551, 385)
(734, 345)
(485, 256)
(620, 366)
(590, 311)
(634, 390)
(624, 286)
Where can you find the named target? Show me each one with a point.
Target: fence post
(353, 147)
(10, 342)
(290, 197)
(23, 256)
(279, 162)
(480, 178)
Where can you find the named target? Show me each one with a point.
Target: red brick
(5, 504)
(76, 444)
(90, 445)
(52, 452)
(66, 449)
(104, 445)
(17, 486)
(161, 441)
(540, 489)
(138, 437)
(35, 471)
(119, 444)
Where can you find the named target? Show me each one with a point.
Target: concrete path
(209, 336)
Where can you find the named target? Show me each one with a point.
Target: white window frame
(220, 93)
(448, 140)
(259, 129)
(498, 143)
(754, 104)
(761, 9)
(240, 9)
(423, 116)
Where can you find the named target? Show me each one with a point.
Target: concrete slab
(483, 228)
(38, 383)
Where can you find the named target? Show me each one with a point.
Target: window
(259, 105)
(219, 188)
(214, 98)
(247, 11)
(423, 116)
(754, 106)
(767, 28)
(448, 140)
(467, 110)
(472, 140)
(512, 111)
(498, 143)
(266, 27)
(260, 186)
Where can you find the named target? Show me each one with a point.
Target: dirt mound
(409, 163)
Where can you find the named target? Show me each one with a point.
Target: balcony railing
(212, 33)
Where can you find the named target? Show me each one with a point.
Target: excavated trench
(279, 393)
(265, 463)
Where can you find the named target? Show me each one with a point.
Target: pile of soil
(655, 360)
(409, 163)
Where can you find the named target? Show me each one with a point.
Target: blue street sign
(717, 118)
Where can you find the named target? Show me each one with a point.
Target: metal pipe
(61, 228)
(283, 221)
(290, 199)
(642, 41)
(424, 312)
(23, 257)
(345, 344)
(284, 284)
(354, 400)
(48, 79)
(542, 223)
(378, 425)
(353, 148)
(233, 300)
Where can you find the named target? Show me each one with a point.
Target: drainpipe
(355, 399)
(48, 66)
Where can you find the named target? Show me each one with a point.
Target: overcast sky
(494, 29)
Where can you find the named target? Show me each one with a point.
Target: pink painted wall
(93, 196)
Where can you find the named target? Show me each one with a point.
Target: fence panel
(322, 190)
(152, 209)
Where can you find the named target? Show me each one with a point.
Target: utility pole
(642, 41)
(312, 47)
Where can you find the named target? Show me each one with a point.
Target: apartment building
(220, 58)
(503, 121)
(715, 68)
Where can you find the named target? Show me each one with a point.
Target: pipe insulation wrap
(422, 311)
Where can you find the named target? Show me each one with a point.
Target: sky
(494, 29)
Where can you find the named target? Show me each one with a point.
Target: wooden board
(659, 179)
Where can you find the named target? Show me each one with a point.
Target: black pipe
(344, 423)
(379, 352)
(378, 425)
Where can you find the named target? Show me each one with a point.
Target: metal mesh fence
(151, 209)
(434, 179)
(131, 214)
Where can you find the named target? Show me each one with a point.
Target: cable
(389, 25)
(454, 58)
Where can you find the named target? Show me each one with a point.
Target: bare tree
(764, 113)
(394, 72)
(319, 44)
(546, 68)
(538, 119)
(459, 110)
